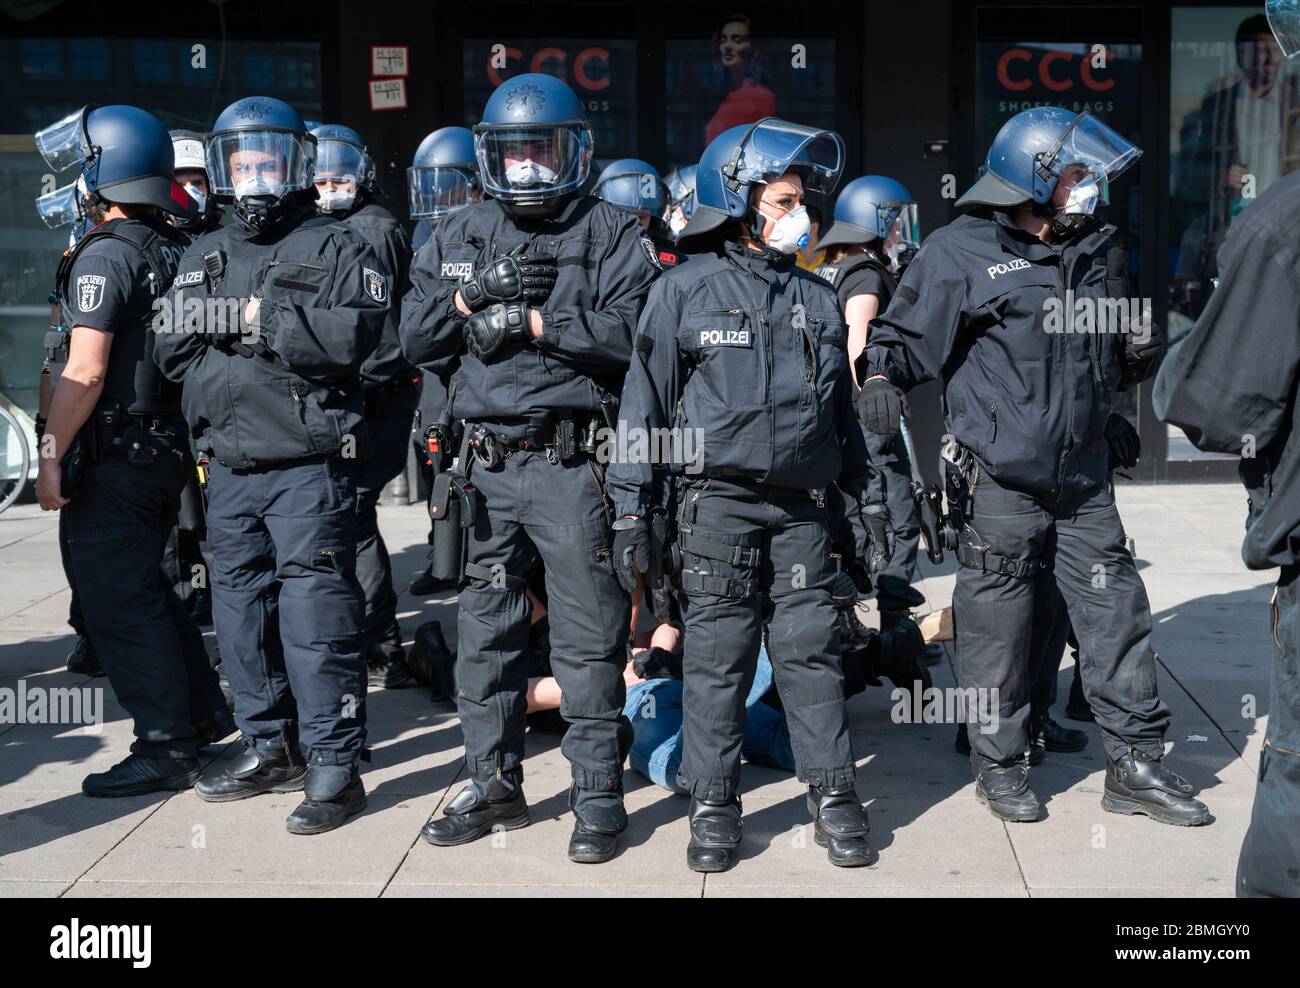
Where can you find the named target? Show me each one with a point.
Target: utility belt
(562, 436)
(952, 529)
(376, 398)
(110, 431)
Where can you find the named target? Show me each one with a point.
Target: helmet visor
(64, 143)
(59, 208)
(899, 220)
(1284, 21)
(260, 162)
(775, 147)
(518, 162)
(636, 192)
(339, 161)
(1089, 143)
(436, 192)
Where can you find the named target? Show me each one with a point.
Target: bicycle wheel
(15, 459)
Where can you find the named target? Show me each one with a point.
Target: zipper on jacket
(993, 415)
(297, 264)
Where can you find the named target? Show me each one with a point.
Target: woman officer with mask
(746, 352)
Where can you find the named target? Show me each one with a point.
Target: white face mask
(790, 232)
(200, 198)
(259, 185)
(335, 200)
(525, 173)
(676, 222)
(1082, 198)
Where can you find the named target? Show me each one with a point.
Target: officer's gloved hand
(1125, 445)
(881, 407)
(631, 550)
(516, 277)
(876, 517)
(487, 331)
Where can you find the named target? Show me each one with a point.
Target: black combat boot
(386, 667)
(83, 661)
(255, 771)
(216, 728)
(432, 663)
(840, 825)
(716, 830)
(598, 819)
(1140, 783)
(333, 793)
(478, 809)
(931, 652)
(1004, 789)
(137, 775)
(1053, 737)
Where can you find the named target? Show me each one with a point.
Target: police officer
(1230, 384)
(443, 179)
(680, 183)
(745, 351)
(272, 317)
(120, 454)
(1027, 400)
(873, 215)
(192, 174)
(536, 292)
(345, 186)
(634, 185)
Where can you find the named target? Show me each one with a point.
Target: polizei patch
(724, 337)
(460, 270)
(1018, 264)
(376, 285)
(190, 278)
(90, 291)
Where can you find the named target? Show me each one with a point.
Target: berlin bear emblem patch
(376, 285)
(90, 291)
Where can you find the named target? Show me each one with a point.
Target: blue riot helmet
(125, 156)
(534, 145)
(260, 156)
(1035, 149)
(633, 185)
(443, 176)
(872, 208)
(681, 197)
(343, 167)
(1284, 22)
(752, 154)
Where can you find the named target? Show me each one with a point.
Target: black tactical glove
(1122, 438)
(876, 517)
(881, 407)
(516, 277)
(1141, 356)
(487, 331)
(631, 550)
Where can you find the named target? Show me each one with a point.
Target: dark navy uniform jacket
(986, 308)
(750, 351)
(292, 391)
(605, 270)
(388, 239)
(1230, 384)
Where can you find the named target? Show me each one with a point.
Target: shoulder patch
(376, 285)
(194, 277)
(90, 291)
(651, 252)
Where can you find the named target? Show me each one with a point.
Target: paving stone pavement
(933, 839)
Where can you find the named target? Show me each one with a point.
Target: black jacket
(1026, 396)
(605, 270)
(387, 238)
(292, 388)
(1230, 384)
(745, 353)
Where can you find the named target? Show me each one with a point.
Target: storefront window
(739, 70)
(601, 71)
(1232, 133)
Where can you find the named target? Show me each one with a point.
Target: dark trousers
(529, 509)
(1270, 855)
(389, 429)
(891, 482)
(1049, 641)
(1001, 621)
(183, 548)
(287, 606)
(780, 575)
(151, 651)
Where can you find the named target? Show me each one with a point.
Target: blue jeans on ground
(655, 709)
